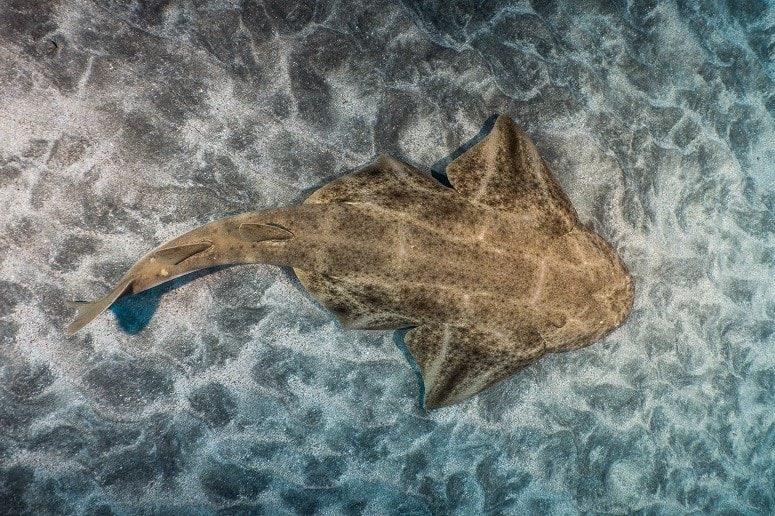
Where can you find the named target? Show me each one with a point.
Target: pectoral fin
(458, 362)
(505, 171)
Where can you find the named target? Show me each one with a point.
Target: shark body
(490, 274)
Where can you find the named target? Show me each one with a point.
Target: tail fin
(87, 311)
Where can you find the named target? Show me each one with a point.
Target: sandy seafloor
(125, 123)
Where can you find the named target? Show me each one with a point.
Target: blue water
(123, 124)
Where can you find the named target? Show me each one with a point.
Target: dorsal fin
(505, 171)
(458, 362)
(253, 232)
(176, 254)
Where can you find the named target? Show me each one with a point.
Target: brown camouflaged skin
(493, 272)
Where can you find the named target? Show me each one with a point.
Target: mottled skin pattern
(491, 273)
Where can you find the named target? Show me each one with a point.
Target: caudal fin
(87, 311)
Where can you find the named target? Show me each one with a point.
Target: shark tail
(231, 240)
(87, 311)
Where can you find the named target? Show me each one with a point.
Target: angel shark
(490, 274)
